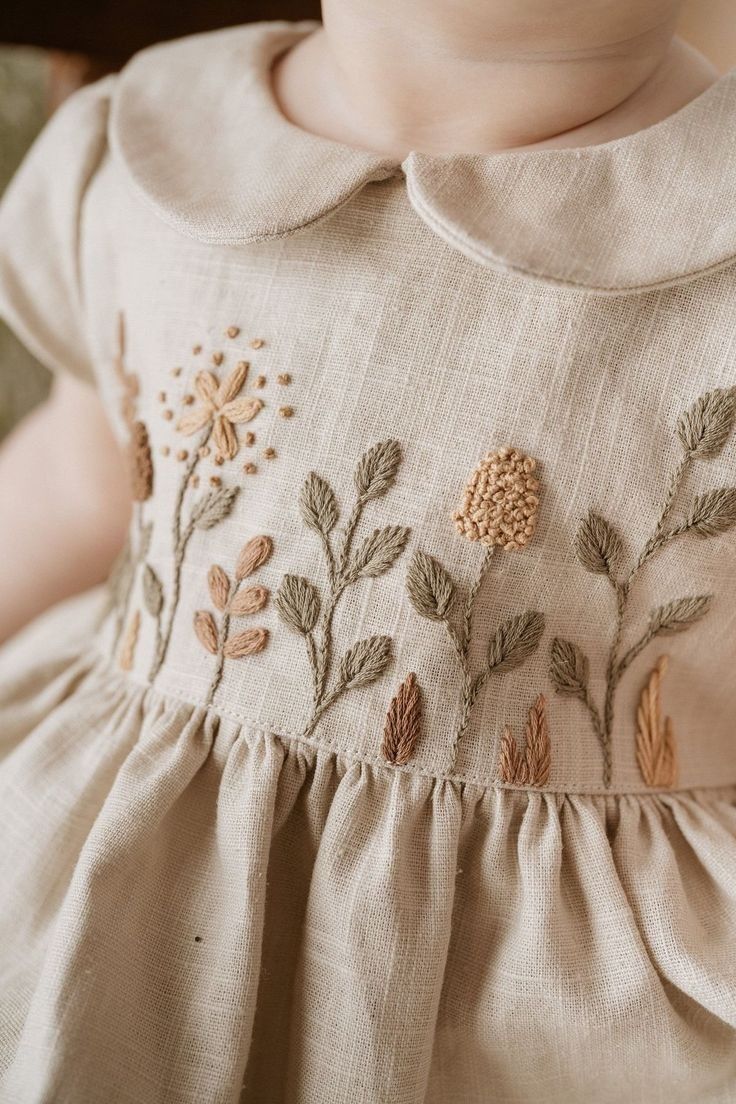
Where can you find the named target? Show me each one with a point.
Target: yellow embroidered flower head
(220, 407)
(500, 502)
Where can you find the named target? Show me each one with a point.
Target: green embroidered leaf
(376, 470)
(515, 641)
(430, 588)
(365, 662)
(298, 604)
(153, 591)
(568, 668)
(714, 512)
(705, 427)
(598, 546)
(318, 505)
(213, 507)
(678, 614)
(378, 552)
(146, 538)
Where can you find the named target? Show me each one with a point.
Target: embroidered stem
(131, 574)
(659, 537)
(181, 540)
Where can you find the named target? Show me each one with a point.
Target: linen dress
(396, 763)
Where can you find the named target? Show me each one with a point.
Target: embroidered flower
(500, 502)
(220, 407)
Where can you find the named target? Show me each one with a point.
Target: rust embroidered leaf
(515, 641)
(365, 662)
(251, 600)
(247, 643)
(713, 512)
(568, 668)
(318, 505)
(403, 723)
(214, 507)
(219, 587)
(153, 591)
(298, 604)
(253, 555)
(705, 426)
(656, 751)
(598, 546)
(430, 588)
(678, 615)
(377, 469)
(206, 630)
(378, 552)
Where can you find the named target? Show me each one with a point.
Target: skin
(436, 76)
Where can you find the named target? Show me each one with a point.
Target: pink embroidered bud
(254, 554)
(500, 502)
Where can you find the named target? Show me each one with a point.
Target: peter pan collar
(199, 131)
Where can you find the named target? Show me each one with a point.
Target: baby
(387, 761)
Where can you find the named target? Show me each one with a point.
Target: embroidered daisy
(220, 407)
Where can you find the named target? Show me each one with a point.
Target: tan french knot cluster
(403, 723)
(231, 599)
(501, 501)
(529, 765)
(656, 750)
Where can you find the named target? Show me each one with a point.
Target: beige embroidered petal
(247, 643)
(206, 630)
(231, 385)
(241, 410)
(225, 439)
(194, 421)
(206, 385)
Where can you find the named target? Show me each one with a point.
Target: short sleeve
(41, 229)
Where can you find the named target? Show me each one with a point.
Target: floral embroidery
(403, 723)
(231, 600)
(499, 509)
(220, 409)
(702, 430)
(656, 751)
(529, 766)
(306, 612)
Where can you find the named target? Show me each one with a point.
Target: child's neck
(474, 76)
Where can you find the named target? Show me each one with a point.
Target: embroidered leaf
(403, 723)
(568, 668)
(213, 507)
(705, 427)
(656, 751)
(318, 505)
(153, 591)
(515, 641)
(378, 552)
(120, 574)
(298, 604)
(219, 586)
(250, 600)
(430, 588)
(127, 652)
(206, 630)
(365, 662)
(714, 512)
(376, 470)
(146, 538)
(254, 554)
(598, 546)
(247, 643)
(678, 615)
(538, 752)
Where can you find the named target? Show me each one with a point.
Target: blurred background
(47, 51)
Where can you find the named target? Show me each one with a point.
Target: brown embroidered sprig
(232, 600)
(530, 765)
(300, 604)
(499, 509)
(702, 430)
(656, 751)
(403, 723)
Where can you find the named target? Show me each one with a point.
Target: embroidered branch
(231, 599)
(499, 510)
(529, 765)
(703, 430)
(656, 751)
(302, 607)
(403, 723)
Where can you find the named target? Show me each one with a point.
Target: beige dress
(397, 761)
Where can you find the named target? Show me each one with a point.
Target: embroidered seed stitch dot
(194, 481)
(162, 396)
(232, 331)
(269, 453)
(257, 343)
(250, 439)
(250, 469)
(175, 372)
(260, 382)
(204, 451)
(197, 349)
(284, 379)
(217, 359)
(286, 411)
(165, 450)
(219, 460)
(187, 399)
(215, 480)
(500, 502)
(182, 454)
(167, 415)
